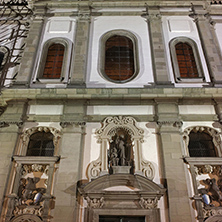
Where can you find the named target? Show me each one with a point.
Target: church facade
(110, 111)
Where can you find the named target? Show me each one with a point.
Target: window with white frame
(118, 56)
(185, 60)
(54, 63)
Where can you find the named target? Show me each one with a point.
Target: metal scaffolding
(14, 26)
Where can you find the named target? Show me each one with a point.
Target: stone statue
(118, 152)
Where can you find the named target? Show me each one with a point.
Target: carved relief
(148, 169)
(95, 202)
(94, 169)
(26, 218)
(209, 189)
(120, 146)
(148, 203)
(31, 190)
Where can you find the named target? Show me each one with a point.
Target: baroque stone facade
(110, 111)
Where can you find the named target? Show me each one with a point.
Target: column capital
(66, 124)
(8, 123)
(177, 124)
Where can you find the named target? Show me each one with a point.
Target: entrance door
(121, 219)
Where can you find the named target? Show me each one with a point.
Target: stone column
(29, 56)
(209, 43)
(69, 172)
(157, 45)
(173, 169)
(79, 67)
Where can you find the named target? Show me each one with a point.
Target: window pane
(119, 58)
(186, 61)
(53, 64)
(201, 145)
(41, 144)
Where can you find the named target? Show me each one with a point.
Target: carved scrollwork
(8, 123)
(26, 218)
(32, 210)
(27, 168)
(148, 169)
(31, 190)
(177, 124)
(204, 169)
(94, 169)
(209, 212)
(111, 124)
(95, 202)
(148, 203)
(66, 124)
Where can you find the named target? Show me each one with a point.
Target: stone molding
(95, 202)
(72, 123)
(28, 218)
(144, 193)
(8, 123)
(148, 203)
(177, 124)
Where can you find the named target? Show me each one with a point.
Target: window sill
(190, 80)
(53, 81)
(36, 159)
(203, 160)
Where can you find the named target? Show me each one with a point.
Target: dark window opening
(1, 58)
(121, 219)
(119, 58)
(186, 61)
(54, 61)
(41, 144)
(201, 145)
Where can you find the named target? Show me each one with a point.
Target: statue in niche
(120, 153)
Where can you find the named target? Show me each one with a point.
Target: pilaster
(8, 139)
(69, 171)
(209, 43)
(157, 46)
(173, 171)
(28, 59)
(79, 62)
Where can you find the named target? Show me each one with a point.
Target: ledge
(111, 93)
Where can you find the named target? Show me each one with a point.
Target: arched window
(119, 57)
(54, 61)
(201, 145)
(185, 60)
(41, 144)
